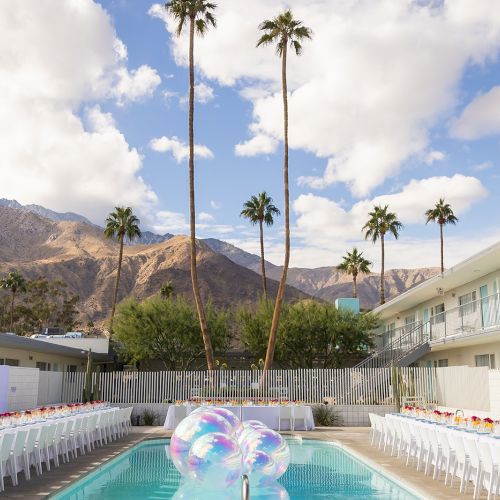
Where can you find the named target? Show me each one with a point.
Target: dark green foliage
(325, 416)
(311, 334)
(43, 304)
(149, 417)
(168, 330)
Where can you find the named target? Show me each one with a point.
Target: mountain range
(39, 241)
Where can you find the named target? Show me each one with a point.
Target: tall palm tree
(260, 210)
(378, 225)
(199, 15)
(442, 214)
(120, 224)
(283, 31)
(354, 263)
(16, 284)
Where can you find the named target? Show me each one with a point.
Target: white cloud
(170, 222)
(433, 156)
(215, 204)
(58, 57)
(203, 93)
(370, 106)
(480, 167)
(324, 225)
(179, 149)
(206, 217)
(135, 85)
(480, 118)
(259, 144)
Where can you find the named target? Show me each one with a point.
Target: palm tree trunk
(192, 213)
(354, 286)
(282, 286)
(262, 261)
(382, 287)
(442, 247)
(12, 311)
(115, 295)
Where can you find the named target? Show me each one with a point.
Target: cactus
(87, 388)
(399, 387)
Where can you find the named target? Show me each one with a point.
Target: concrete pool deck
(355, 439)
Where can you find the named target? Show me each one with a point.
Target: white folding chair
(373, 429)
(474, 465)
(286, 413)
(29, 452)
(5, 447)
(300, 414)
(461, 460)
(495, 454)
(73, 438)
(489, 470)
(179, 413)
(17, 452)
(66, 439)
(447, 455)
(57, 443)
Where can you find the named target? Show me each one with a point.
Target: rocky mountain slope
(78, 253)
(326, 282)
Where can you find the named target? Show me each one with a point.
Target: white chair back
(6, 445)
(19, 442)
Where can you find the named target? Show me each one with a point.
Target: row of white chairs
(37, 445)
(456, 454)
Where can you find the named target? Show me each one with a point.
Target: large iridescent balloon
(189, 430)
(215, 460)
(260, 468)
(233, 420)
(271, 443)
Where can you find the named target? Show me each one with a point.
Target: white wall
(50, 388)
(22, 388)
(97, 345)
(494, 376)
(463, 356)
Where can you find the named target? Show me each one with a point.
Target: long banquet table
(490, 438)
(49, 421)
(267, 414)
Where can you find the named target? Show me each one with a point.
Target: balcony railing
(473, 317)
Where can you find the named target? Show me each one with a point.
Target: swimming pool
(318, 470)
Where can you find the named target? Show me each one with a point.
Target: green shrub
(149, 417)
(325, 416)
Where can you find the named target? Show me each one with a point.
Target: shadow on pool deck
(353, 438)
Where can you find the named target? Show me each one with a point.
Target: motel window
(467, 303)
(410, 323)
(71, 368)
(12, 362)
(42, 366)
(441, 363)
(437, 313)
(485, 360)
(390, 328)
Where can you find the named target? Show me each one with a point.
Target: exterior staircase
(402, 351)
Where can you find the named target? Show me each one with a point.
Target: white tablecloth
(268, 415)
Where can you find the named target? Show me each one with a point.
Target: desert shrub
(325, 416)
(149, 417)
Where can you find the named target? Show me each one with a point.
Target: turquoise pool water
(318, 470)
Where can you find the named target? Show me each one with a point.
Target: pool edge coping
(379, 468)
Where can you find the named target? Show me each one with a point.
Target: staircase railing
(400, 347)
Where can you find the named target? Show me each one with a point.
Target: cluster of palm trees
(16, 283)
(285, 33)
(381, 222)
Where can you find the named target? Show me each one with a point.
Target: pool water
(317, 470)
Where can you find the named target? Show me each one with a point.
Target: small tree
(16, 284)
(354, 263)
(167, 290)
(168, 330)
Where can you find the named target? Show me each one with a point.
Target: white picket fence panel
(350, 386)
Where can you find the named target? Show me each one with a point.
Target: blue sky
(390, 103)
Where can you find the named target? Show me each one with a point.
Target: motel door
(485, 306)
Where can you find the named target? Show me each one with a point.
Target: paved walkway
(354, 439)
(59, 477)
